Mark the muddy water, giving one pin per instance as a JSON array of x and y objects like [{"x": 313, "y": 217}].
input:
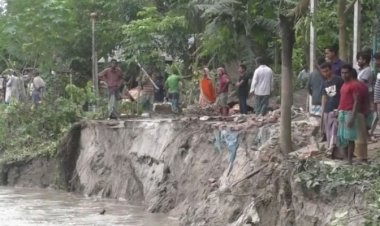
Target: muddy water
[{"x": 20, "y": 206}]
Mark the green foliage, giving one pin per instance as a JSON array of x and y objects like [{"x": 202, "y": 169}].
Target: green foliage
[
  {"x": 34, "y": 30},
  {"x": 175, "y": 68},
  {"x": 81, "y": 96},
  {"x": 27, "y": 131},
  {"x": 235, "y": 29},
  {"x": 373, "y": 218},
  {"x": 56, "y": 34},
  {"x": 131, "y": 108},
  {"x": 153, "y": 34},
  {"x": 30, "y": 132},
  {"x": 325, "y": 179}
]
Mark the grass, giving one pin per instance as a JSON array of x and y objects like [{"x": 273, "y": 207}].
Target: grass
[{"x": 326, "y": 180}]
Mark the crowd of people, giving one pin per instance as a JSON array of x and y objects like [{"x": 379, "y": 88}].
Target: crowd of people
[
  {"x": 259, "y": 85},
  {"x": 346, "y": 99},
  {"x": 343, "y": 97},
  {"x": 16, "y": 87},
  {"x": 156, "y": 89}
]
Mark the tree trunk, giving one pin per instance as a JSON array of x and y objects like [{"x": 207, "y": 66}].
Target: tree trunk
[
  {"x": 287, "y": 40},
  {"x": 342, "y": 23}
]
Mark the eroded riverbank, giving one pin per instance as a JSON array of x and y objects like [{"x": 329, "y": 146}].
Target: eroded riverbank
[{"x": 172, "y": 166}]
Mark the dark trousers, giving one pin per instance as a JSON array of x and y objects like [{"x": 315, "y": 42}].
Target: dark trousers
[
  {"x": 261, "y": 104},
  {"x": 174, "y": 100},
  {"x": 113, "y": 100},
  {"x": 243, "y": 104},
  {"x": 36, "y": 96}
]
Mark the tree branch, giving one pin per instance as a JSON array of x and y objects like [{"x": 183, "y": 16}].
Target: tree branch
[
  {"x": 300, "y": 10},
  {"x": 250, "y": 175},
  {"x": 350, "y": 7}
]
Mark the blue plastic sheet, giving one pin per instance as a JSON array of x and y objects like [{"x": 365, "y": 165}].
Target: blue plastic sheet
[{"x": 230, "y": 140}]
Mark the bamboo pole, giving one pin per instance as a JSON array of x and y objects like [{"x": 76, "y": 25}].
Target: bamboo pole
[
  {"x": 312, "y": 48},
  {"x": 94, "y": 57},
  {"x": 356, "y": 35}
]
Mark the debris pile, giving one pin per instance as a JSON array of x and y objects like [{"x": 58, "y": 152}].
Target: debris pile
[
  {"x": 162, "y": 108},
  {"x": 211, "y": 110},
  {"x": 239, "y": 122},
  {"x": 242, "y": 122}
]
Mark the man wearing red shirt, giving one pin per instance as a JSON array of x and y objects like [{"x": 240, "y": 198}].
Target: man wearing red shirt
[
  {"x": 364, "y": 118},
  {"x": 351, "y": 119},
  {"x": 113, "y": 77}
]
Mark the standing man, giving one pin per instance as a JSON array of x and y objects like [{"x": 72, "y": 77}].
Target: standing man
[
  {"x": 159, "y": 94},
  {"x": 303, "y": 76},
  {"x": 350, "y": 119},
  {"x": 172, "y": 88},
  {"x": 331, "y": 55},
  {"x": 38, "y": 88},
  {"x": 376, "y": 95},
  {"x": 314, "y": 87},
  {"x": 243, "y": 88},
  {"x": 365, "y": 72},
  {"x": 364, "y": 118},
  {"x": 147, "y": 94},
  {"x": 222, "y": 101},
  {"x": 11, "y": 88},
  {"x": 113, "y": 77},
  {"x": 330, "y": 102},
  {"x": 365, "y": 77},
  {"x": 261, "y": 87}
]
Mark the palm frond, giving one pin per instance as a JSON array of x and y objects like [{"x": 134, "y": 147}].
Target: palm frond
[{"x": 298, "y": 8}]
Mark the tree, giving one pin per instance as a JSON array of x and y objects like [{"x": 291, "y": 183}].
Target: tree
[
  {"x": 52, "y": 33},
  {"x": 234, "y": 29},
  {"x": 153, "y": 34},
  {"x": 342, "y": 21},
  {"x": 287, "y": 40},
  {"x": 288, "y": 18}
]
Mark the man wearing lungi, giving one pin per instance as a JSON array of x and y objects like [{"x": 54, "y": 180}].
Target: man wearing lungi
[{"x": 330, "y": 102}]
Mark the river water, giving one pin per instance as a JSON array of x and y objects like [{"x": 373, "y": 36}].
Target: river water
[{"x": 21, "y": 206}]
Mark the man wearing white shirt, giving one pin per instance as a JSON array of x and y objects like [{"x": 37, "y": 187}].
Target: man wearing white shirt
[
  {"x": 365, "y": 76},
  {"x": 376, "y": 93},
  {"x": 11, "y": 93},
  {"x": 261, "y": 87},
  {"x": 365, "y": 72}
]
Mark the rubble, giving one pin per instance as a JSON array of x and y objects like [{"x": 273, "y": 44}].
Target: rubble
[
  {"x": 211, "y": 180},
  {"x": 240, "y": 118},
  {"x": 307, "y": 152},
  {"x": 211, "y": 110},
  {"x": 245, "y": 122},
  {"x": 145, "y": 115},
  {"x": 235, "y": 109},
  {"x": 204, "y": 118},
  {"x": 162, "y": 108}
]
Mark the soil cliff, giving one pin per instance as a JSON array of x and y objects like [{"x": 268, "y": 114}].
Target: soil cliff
[{"x": 173, "y": 166}]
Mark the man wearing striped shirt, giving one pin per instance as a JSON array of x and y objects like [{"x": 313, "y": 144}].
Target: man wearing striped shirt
[{"x": 376, "y": 92}]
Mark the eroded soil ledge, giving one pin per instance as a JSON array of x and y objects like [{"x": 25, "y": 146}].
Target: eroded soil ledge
[{"x": 172, "y": 166}]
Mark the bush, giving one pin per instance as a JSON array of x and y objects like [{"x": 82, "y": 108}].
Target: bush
[{"x": 27, "y": 131}]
